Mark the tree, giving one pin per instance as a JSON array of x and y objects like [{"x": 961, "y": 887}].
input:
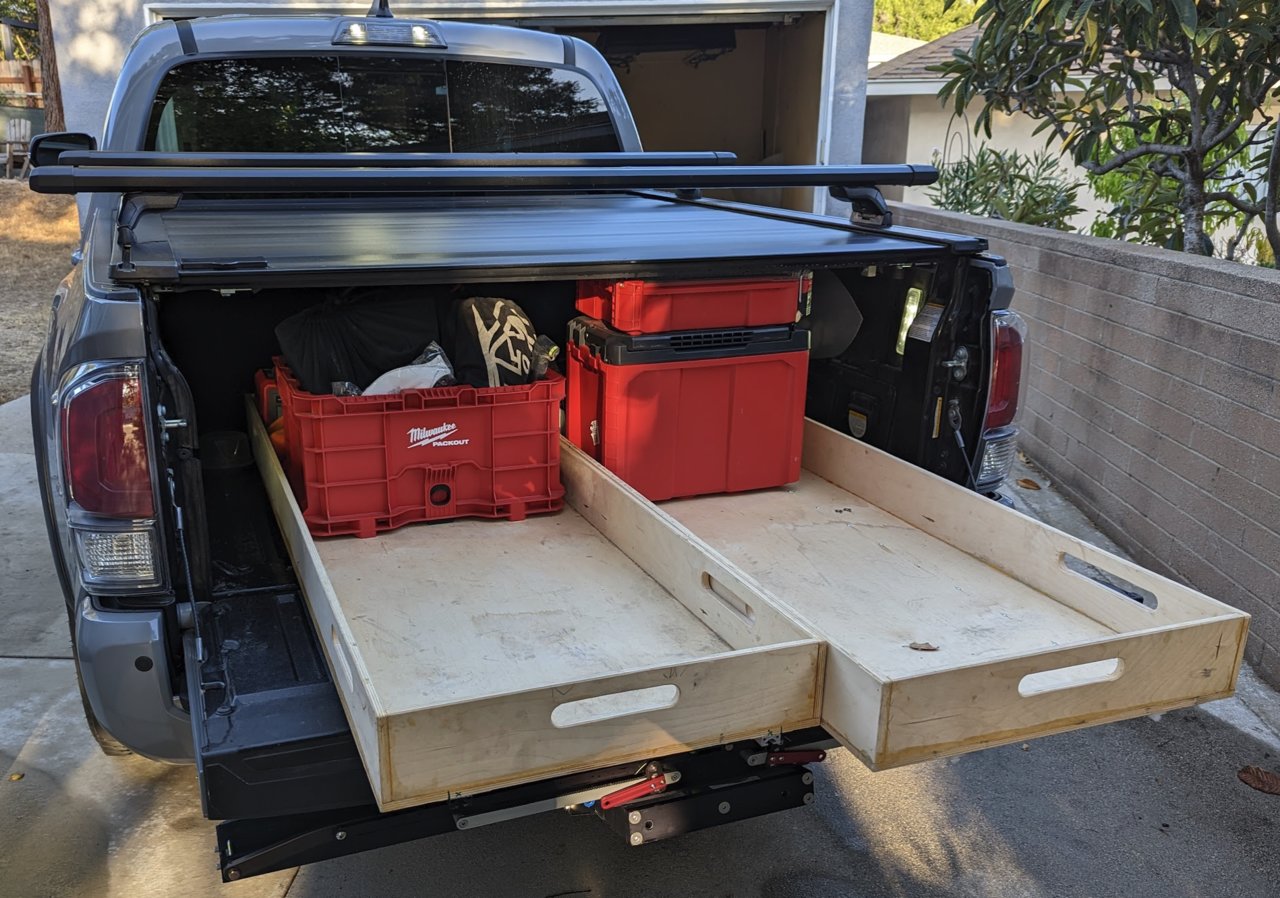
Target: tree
[
  {"x": 924, "y": 20},
  {"x": 1164, "y": 83},
  {"x": 1144, "y": 200},
  {"x": 54, "y": 120}
]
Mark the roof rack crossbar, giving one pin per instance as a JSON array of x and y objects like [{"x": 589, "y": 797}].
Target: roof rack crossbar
[
  {"x": 147, "y": 159},
  {"x": 70, "y": 179}
]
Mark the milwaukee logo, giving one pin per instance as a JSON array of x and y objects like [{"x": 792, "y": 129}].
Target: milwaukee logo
[{"x": 434, "y": 436}]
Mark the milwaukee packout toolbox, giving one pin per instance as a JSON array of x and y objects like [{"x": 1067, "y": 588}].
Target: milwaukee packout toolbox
[
  {"x": 689, "y": 413},
  {"x": 363, "y": 464},
  {"x": 651, "y": 307}
]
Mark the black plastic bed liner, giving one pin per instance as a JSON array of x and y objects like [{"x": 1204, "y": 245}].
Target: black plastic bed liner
[{"x": 271, "y": 735}]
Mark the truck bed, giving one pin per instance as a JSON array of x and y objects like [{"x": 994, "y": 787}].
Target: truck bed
[{"x": 912, "y": 618}]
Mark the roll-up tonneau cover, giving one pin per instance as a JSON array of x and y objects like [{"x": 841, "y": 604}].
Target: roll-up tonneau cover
[{"x": 255, "y": 219}]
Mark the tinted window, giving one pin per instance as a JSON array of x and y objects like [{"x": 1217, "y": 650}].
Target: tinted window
[{"x": 368, "y": 103}]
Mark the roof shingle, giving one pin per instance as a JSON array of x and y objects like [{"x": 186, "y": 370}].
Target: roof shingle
[{"x": 914, "y": 64}]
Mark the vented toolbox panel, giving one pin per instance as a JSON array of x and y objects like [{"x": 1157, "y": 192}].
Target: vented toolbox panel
[
  {"x": 364, "y": 464},
  {"x": 650, "y": 307}
]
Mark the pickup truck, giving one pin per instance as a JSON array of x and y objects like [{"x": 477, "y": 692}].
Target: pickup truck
[{"x": 250, "y": 167}]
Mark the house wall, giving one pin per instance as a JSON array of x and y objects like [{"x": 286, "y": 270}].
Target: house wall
[
  {"x": 885, "y": 131},
  {"x": 91, "y": 41},
  {"x": 935, "y": 129},
  {"x": 1153, "y": 403},
  {"x": 733, "y": 85}
]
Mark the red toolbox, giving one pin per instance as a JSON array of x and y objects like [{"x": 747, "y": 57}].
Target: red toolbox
[
  {"x": 690, "y": 413},
  {"x": 651, "y": 307},
  {"x": 362, "y": 464}
]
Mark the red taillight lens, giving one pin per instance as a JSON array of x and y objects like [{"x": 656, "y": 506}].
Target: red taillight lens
[
  {"x": 104, "y": 448},
  {"x": 1007, "y": 332}
]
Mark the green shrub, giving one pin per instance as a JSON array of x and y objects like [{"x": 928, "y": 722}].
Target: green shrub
[{"x": 1007, "y": 184}]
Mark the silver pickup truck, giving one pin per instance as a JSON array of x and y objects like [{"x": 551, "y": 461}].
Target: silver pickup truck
[{"x": 252, "y": 166}]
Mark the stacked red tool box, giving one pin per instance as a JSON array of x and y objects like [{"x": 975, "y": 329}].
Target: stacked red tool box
[{"x": 689, "y": 412}]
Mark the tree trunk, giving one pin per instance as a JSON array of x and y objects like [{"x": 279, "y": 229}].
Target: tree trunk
[
  {"x": 54, "y": 120},
  {"x": 1271, "y": 207},
  {"x": 1194, "y": 239}
]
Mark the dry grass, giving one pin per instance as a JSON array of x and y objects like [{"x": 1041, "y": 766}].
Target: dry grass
[{"x": 37, "y": 235}]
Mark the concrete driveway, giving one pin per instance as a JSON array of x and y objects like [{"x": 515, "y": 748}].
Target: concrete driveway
[{"x": 1142, "y": 808}]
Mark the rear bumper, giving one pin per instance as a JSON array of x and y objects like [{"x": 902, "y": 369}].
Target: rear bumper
[{"x": 125, "y": 671}]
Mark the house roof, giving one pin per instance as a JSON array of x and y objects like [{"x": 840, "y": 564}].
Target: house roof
[
  {"x": 886, "y": 47},
  {"x": 914, "y": 65}
]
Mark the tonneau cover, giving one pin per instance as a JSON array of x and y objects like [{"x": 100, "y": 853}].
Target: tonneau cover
[{"x": 420, "y": 240}]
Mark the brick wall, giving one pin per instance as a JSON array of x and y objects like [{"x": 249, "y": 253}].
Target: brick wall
[{"x": 1153, "y": 403}]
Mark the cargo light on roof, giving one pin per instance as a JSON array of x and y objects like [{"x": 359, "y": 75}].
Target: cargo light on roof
[{"x": 380, "y": 28}]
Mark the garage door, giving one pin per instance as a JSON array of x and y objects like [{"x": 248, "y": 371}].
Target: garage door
[{"x": 696, "y": 79}]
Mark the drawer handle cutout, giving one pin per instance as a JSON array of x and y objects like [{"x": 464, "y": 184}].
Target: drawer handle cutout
[
  {"x": 729, "y": 598},
  {"x": 340, "y": 660},
  {"x": 1114, "y": 582},
  {"x": 1086, "y": 674},
  {"x": 617, "y": 704}
]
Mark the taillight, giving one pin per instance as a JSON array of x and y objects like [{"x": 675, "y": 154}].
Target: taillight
[
  {"x": 1008, "y": 334},
  {"x": 104, "y": 446},
  {"x": 106, "y": 466}
]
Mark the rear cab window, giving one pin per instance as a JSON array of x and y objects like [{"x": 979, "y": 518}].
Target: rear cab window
[{"x": 377, "y": 103}]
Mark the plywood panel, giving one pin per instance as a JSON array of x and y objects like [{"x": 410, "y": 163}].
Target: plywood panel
[
  {"x": 963, "y": 710},
  {"x": 460, "y": 610},
  {"x": 937, "y": 605},
  {"x": 1010, "y": 542},
  {"x": 697, "y": 575},
  {"x": 452, "y": 645},
  {"x": 507, "y": 739},
  {"x": 875, "y": 583}
]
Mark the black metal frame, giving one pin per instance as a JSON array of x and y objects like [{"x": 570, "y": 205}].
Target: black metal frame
[
  {"x": 707, "y": 779},
  {"x": 110, "y": 159},
  {"x": 266, "y": 173}
]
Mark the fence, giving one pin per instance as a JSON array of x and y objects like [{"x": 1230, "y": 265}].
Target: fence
[
  {"x": 21, "y": 84},
  {"x": 1153, "y": 403}
]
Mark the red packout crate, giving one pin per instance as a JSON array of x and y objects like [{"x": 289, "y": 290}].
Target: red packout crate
[
  {"x": 362, "y": 464},
  {"x": 652, "y": 307},
  {"x": 689, "y": 413}
]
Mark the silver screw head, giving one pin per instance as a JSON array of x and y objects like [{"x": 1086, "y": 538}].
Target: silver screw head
[
  {"x": 724, "y": 807},
  {"x": 233, "y": 874},
  {"x": 340, "y": 835},
  {"x": 636, "y": 838},
  {"x": 808, "y": 798},
  {"x": 634, "y": 817},
  {"x": 807, "y": 779}
]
